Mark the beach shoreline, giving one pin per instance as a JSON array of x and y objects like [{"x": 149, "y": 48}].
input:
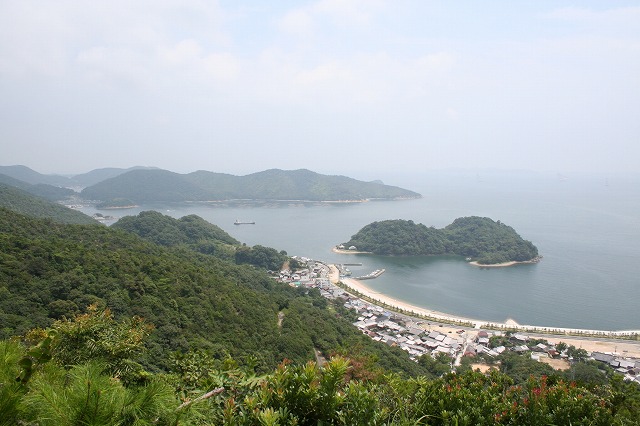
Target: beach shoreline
[
  {"x": 341, "y": 251},
  {"x": 473, "y": 263},
  {"x": 398, "y": 305},
  {"x": 506, "y": 264},
  {"x": 393, "y": 304}
]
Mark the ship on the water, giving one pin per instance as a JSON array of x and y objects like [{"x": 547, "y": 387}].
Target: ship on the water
[{"x": 239, "y": 222}]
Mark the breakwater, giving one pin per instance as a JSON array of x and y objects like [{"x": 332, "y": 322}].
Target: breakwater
[{"x": 372, "y": 275}]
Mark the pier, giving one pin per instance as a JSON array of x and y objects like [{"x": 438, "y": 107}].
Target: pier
[{"x": 374, "y": 274}]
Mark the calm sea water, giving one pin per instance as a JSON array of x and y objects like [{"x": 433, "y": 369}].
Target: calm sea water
[{"x": 587, "y": 229}]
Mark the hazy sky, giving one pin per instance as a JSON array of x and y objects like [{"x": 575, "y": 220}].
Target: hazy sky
[{"x": 335, "y": 86}]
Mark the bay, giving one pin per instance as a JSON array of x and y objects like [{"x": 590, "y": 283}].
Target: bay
[{"x": 586, "y": 228}]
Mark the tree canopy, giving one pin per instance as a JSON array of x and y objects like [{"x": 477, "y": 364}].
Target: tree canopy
[
  {"x": 163, "y": 186},
  {"x": 195, "y": 301},
  {"x": 65, "y": 379},
  {"x": 480, "y": 238}
]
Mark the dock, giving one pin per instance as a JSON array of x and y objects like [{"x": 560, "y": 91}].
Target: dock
[{"x": 372, "y": 275}]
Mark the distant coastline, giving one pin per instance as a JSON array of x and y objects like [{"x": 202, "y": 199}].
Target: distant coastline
[{"x": 132, "y": 206}]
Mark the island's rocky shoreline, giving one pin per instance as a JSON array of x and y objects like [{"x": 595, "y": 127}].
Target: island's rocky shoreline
[{"x": 535, "y": 260}]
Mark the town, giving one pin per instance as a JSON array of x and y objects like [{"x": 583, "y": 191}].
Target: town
[{"x": 419, "y": 337}]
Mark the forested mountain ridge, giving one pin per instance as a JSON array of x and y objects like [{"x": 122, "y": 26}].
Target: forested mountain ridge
[
  {"x": 480, "y": 238},
  {"x": 197, "y": 234},
  {"x": 149, "y": 184},
  {"x": 166, "y": 231},
  {"x": 19, "y": 201},
  {"x": 49, "y": 192},
  {"x": 98, "y": 175},
  {"x": 32, "y": 177},
  {"x": 25, "y": 174},
  {"x": 160, "y": 185},
  {"x": 194, "y": 301}
]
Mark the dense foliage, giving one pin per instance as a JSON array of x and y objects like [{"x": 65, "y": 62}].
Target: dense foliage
[
  {"x": 30, "y": 205},
  {"x": 115, "y": 203},
  {"x": 199, "y": 235},
  {"x": 263, "y": 257},
  {"x": 49, "y": 192},
  {"x": 479, "y": 238},
  {"x": 195, "y": 301},
  {"x": 191, "y": 231},
  {"x": 64, "y": 379},
  {"x": 143, "y": 186}
]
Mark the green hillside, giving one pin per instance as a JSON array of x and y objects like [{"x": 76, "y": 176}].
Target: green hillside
[
  {"x": 194, "y": 301},
  {"x": 32, "y": 177},
  {"x": 22, "y": 202},
  {"x": 191, "y": 231},
  {"x": 144, "y": 186},
  {"x": 49, "y": 192},
  {"x": 479, "y": 238},
  {"x": 98, "y": 175},
  {"x": 86, "y": 371},
  {"x": 162, "y": 186}
]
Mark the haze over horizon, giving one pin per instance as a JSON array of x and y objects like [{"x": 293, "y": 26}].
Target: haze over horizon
[{"x": 337, "y": 87}]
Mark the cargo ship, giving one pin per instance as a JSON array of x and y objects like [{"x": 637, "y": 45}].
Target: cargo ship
[{"x": 239, "y": 222}]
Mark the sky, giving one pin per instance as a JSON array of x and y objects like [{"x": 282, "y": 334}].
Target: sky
[{"x": 351, "y": 87}]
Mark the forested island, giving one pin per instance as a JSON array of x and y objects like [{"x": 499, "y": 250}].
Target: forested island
[
  {"x": 120, "y": 188},
  {"x": 481, "y": 239},
  {"x": 143, "y": 186},
  {"x": 116, "y": 203}
]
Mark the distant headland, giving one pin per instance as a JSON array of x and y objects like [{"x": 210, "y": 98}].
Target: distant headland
[{"x": 480, "y": 240}]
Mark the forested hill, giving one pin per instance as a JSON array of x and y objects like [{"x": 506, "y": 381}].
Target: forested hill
[
  {"x": 164, "y": 230},
  {"x": 49, "y": 192},
  {"x": 28, "y": 204},
  {"x": 143, "y": 186},
  {"x": 480, "y": 238},
  {"x": 196, "y": 234},
  {"x": 26, "y": 175},
  {"x": 194, "y": 301}
]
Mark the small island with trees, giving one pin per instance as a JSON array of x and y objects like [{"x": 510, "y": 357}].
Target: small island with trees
[{"x": 481, "y": 240}]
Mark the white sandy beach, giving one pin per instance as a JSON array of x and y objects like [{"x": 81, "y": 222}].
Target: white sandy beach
[
  {"x": 504, "y": 264},
  {"x": 495, "y": 265},
  {"x": 621, "y": 347},
  {"x": 340, "y": 251},
  {"x": 390, "y": 301}
]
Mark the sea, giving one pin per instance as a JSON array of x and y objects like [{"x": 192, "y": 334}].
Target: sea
[{"x": 586, "y": 227}]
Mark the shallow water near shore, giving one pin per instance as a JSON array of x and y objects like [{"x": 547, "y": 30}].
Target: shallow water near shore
[{"x": 587, "y": 230}]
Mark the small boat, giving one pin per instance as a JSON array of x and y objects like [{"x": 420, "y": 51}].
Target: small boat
[{"x": 238, "y": 222}]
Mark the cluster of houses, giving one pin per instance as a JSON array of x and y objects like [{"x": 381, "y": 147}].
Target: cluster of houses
[
  {"x": 398, "y": 330},
  {"x": 418, "y": 338},
  {"x": 517, "y": 342},
  {"x": 307, "y": 276},
  {"x": 629, "y": 367}
]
